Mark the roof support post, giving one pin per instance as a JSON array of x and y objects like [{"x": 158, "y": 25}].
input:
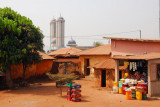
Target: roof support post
[
  {"x": 149, "y": 79},
  {"x": 116, "y": 70}
]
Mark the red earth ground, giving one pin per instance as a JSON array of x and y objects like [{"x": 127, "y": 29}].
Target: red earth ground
[{"x": 46, "y": 94}]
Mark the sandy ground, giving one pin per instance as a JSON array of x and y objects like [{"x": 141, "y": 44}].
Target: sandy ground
[{"x": 47, "y": 95}]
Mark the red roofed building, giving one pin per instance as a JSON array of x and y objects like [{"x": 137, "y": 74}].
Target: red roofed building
[{"x": 93, "y": 56}]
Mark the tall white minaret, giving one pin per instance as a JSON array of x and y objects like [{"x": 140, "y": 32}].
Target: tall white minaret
[
  {"x": 53, "y": 33},
  {"x": 60, "y": 32}
]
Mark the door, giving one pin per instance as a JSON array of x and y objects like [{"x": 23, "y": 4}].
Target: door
[
  {"x": 86, "y": 67},
  {"x": 103, "y": 78}
]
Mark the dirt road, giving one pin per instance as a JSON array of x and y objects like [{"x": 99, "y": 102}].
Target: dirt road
[{"x": 47, "y": 95}]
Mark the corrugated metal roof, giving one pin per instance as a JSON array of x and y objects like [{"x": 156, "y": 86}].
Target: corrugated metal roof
[
  {"x": 64, "y": 51},
  {"x": 107, "y": 64},
  {"x": 148, "y": 56},
  {"x": 99, "y": 50},
  {"x": 133, "y": 39},
  {"x": 45, "y": 56}
]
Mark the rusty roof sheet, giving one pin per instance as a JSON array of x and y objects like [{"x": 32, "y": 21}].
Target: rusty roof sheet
[
  {"x": 147, "y": 56},
  {"x": 45, "y": 56},
  {"x": 65, "y": 51},
  {"x": 133, "y": 39},
  {"x": 98, "y": 50},
  {"x": 107, "y": 64}
]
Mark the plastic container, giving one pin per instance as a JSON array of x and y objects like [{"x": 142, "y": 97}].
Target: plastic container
[
  {"x": 133, "y": 94},
  {"x": 120, "y": 83},
  {"x": 115, "y": 89},
  {"x": 124, "y": 87},
  {"x": 69, "y": 98},
  {"x": 76, "y": 95},
  {"x": 115, "y": 83},
  {"x": 144, "y": 96},
  {"x": 69, "y": 84},
  {"x": 76, "y": 99},
  {"x": 138, "y": 95},
  {"x": 120, "y": 90},
  {"x": 128, "y": 95},
  {"x": 76, "y": 86},
  {"x": 75, "y": 91}
]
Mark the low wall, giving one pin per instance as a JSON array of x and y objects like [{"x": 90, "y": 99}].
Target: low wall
[{"x": 34, "y": 70}]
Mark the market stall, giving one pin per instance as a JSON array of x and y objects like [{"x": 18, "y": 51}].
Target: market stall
[
  {"x": 134, "y": 81},
  {"x": 144, "y": 69}
]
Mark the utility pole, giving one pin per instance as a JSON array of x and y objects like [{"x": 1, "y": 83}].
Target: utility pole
[{"x": 159, "y": 18}]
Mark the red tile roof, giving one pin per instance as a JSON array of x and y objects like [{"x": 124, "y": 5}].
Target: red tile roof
[
  {"x": 107, "y": 64},
  {"x": 65, "y": 51},
  {"x": 99, "y": 50},
  {"x": 45, "y": 56}
]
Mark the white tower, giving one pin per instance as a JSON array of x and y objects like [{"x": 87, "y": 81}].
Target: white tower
[
  {"x": 60, "y": 32},
  {"x": 53, "y": 32}
]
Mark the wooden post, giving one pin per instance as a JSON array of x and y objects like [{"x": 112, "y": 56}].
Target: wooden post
[
  {"x": 116, "y": 70},
  {"x": 149, "y": 79}
]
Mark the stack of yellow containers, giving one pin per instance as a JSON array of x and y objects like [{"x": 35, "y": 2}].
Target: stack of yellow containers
[{"x": 115, "y": 87}]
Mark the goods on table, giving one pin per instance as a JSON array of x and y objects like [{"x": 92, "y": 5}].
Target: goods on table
[{"x": 133, "y": 89}]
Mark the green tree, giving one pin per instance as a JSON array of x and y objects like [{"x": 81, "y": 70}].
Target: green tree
[
  {"x": 9, "y": 43},
  {"x": 97, "y": 43},
  {"x": 29, "y": 40},
  {"x": 61, "y": 79}
]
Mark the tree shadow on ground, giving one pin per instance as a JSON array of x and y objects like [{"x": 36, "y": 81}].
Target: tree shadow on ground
[{"x": 38, "y": 89}]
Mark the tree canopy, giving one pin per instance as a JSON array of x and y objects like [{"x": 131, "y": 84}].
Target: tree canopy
[
  {"x": 19, "y": 40},
  {"x": 97, "y": 43}
]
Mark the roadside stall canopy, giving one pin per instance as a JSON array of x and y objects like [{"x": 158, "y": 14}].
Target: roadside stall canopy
[
  {"x": 146, "y": 56},
  {"x": 107, "y": 64}
]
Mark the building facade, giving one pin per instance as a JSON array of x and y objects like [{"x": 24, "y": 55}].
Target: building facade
[{"x": 57, "y": 33}]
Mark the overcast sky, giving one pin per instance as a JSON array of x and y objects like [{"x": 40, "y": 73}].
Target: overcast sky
[{"x": 88, "y": 18}]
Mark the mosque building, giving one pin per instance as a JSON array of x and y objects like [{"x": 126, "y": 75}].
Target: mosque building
[
  {"x": 57, "y": 33},
  {"x": 57, "y": 28}
]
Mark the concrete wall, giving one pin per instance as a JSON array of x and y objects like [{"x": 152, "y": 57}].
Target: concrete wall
[
  {"x": 110, "y": 77},
  {"x": 70, "y": 66},
  {"x": 153, "y": 86},
  {"x": 94, "y": 59},
  {"x": 36, "y": 69},
  {"x": 134, "y": 46}
]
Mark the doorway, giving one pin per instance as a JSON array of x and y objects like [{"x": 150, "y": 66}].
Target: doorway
[
  {"x": 120, "y": 74},
  {"x": 86, "y": 67},
  {"x": 103, "y": 78}
]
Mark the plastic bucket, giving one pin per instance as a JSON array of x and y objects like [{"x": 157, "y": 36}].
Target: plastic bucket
[
  {"x": 144, "y": 96},
  {"x": 138, "y": 95},
  {"x": 115, "y": 89},
  {"x": 128, "y": 95},
  {"x": 133, "y": 94},
  {"x": 120, "y": 90},
  {"x": 124, "y": 87}
]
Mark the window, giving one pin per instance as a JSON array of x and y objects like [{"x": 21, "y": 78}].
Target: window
[{"x": 158, "y": 72}]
